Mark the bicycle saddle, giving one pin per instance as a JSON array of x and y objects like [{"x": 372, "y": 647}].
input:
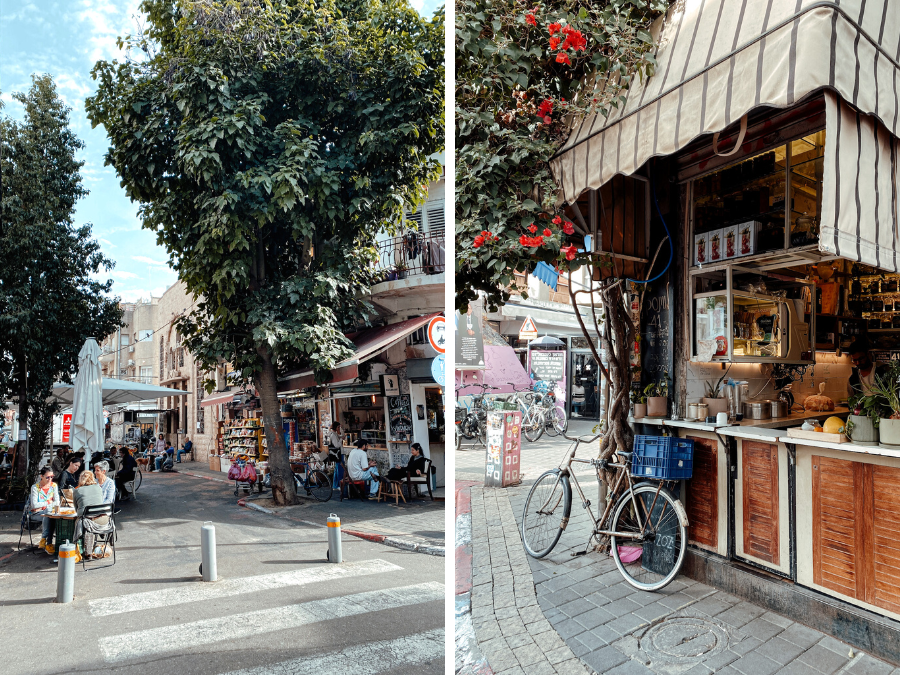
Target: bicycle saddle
[{"x": 626, "y": 455}]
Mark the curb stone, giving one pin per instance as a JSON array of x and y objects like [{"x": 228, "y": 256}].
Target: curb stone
[{"x": 469, "y": 659}]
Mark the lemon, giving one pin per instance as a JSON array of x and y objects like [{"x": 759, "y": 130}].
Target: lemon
[{"x": 833, "y": 425}]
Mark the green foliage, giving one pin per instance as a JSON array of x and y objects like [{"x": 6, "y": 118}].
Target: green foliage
[
  {"x": 266, "y": 145},
  {"x": 660, "y": 387},
  {"x": 51, "y": 300},
  {"x": 884, "y": 397},
  {"x": 516, "y": 101}
]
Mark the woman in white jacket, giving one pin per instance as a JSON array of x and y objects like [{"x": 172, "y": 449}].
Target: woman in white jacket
[{"x": 45, "y": 498}]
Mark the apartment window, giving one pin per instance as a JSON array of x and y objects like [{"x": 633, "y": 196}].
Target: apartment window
[
  {"x": 434, "y": 212},
  {"x": 123, "y": 340},
  {"x": 147, "y": 374}
]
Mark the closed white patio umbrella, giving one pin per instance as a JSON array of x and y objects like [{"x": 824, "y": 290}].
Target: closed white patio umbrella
[{"x": 87, "y": 403}]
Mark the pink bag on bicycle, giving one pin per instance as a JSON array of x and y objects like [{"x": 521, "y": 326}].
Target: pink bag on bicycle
[
  {"x": 248, "y": 475},
  {"x": 234, "y": 473}
]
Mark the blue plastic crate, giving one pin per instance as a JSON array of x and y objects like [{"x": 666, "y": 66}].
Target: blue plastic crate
[{"x": 662, "y": 458}]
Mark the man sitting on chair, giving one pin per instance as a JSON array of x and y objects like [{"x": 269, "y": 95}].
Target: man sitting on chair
[
  {"x": 360, "y": 467},
  {"x": 185, "y": 450}
]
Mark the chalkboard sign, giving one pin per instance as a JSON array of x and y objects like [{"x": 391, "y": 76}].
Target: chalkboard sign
[
  {"x": 400, "y": 416},
  {"x": 547, "y": 365},
  {"x": 659, "y": 554},
  {"x": 657, "y": 345}
]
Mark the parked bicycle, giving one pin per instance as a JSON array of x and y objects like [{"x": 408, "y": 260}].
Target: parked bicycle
[
  {"x": 646, "y": 524},
  {"x": 539, "y": 411},
  {"x": 315, "y": 481},
  {"x": 474, "y": 422}
]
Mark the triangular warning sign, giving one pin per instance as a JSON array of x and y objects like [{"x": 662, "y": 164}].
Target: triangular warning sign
[{"x": 528, "y": 326}]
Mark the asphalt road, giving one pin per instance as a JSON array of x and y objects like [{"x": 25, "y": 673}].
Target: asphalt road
[{"x": 278, "y": 606}]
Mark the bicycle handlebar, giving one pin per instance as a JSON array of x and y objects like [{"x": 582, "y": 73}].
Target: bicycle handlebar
[{"x": 581, "y": 439}]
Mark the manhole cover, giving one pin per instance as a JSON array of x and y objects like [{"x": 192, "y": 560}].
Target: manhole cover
[{"x": 684, "y": 638}]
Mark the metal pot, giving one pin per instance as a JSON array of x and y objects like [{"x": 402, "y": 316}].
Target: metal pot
[
  {"x": 778, "y": 408},
  {"x": 757, "y": 410}
]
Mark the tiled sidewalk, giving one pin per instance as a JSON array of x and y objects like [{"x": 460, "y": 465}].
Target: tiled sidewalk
[{"x": 598, "y": 623}]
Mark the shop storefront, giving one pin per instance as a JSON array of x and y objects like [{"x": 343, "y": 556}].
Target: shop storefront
[{"x": 785, "y": 233}]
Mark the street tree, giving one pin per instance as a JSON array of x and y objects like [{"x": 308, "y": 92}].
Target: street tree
[
  {"x": 51, "y": 295},
  {"x": 525, "y": 76},
  {"x": 267, "y": 143}
]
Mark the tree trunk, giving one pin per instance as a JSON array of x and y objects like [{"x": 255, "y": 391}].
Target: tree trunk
[
  {"x": 283, "y": 489},
  {"x": 22, "y": 451}
]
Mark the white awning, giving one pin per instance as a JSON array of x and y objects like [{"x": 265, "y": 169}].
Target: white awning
[
  {"x": 118, "y": 391},
  {"x": 720, "y": 59}
]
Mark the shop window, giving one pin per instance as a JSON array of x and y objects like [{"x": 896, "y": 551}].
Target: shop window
[{"x": 758, "y": 205}]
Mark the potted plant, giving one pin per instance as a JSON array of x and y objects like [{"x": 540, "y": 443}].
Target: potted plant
[
  {"x": 862, "y": 422},
  {"x": 886, "y": 392},
  {"x": 715, "y": 397},
  {"x": 401, "y": 269},
  {"x": 640, "y": 403},
  {"x": 657, "y": 394}
]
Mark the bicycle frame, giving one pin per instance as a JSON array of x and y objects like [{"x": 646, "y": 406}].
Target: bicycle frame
[{"x": 623, "y": 473}]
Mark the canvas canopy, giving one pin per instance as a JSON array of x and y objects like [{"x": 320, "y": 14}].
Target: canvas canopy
[
  {"x": 118, "y": 392},
  {"x": 720, "y": 59}
]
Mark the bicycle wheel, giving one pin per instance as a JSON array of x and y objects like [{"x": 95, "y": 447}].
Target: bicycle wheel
[
  {"x": 533, "y": 425},
  {"x": 546, "y": 513},
  {"x": 556, "y": 421},
  {"x": 652, "y": 561},
  {"x": 319, "y": 486},
  {"x": 458, "y": 436},
  {"x": 481, "y": 432},
  {"x": 138, "y": 476}
]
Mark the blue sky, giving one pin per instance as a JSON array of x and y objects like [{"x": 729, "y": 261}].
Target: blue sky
[{"x": 65, "y": 38}]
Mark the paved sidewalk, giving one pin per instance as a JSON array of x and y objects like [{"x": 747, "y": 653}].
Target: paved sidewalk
[
  {"x": 418, "y": 524},
  {"x": 587, "y": 619}
]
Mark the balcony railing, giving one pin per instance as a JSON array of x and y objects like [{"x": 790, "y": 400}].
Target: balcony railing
[{"x": 412, "y": 254}]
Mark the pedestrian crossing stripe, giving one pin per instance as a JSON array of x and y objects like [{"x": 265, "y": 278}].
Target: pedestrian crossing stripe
[
  {"x": 200, "y": 591},
  {"x": 234, "y": 627},
  {"x": 371, "y": 657}
]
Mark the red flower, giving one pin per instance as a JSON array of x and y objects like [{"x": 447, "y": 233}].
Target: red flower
[
  {"x": 548, "y": 120},
  {"x": 532, "y": 228},
  {"x": 568, "y": 228},
  {"x": 569, "y": 251},
  {"x": 562, "y": 57},
  {"x": 554, "y": 42},
  {"x": 479, "y": 242},
  {"x": 554, "y": 28},
  {"x": 546, "y": 107},
  {"x": 547, "y": 233},
  {"x": 574, "y": 40},
  {"x": 567, "y": 29},
  {"x": 524, "y": 239},
  {"x": 557, "y": 220},
  {"x": 529, "y": 18}
]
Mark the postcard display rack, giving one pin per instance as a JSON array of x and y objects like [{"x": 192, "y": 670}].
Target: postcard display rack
[{"x": 245, "y": 437}]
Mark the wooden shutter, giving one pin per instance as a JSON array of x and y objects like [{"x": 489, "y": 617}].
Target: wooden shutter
[
  {"x": 703, "y": 493},
  {"x": 760, "y": 496},
  {"x": 886, "y": 536}
]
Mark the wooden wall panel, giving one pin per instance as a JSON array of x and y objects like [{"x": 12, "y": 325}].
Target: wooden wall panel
[
  {"x": 759, "y": 489},
  {"x": 836, "y": 523},
  {"x": 886, "y": 537},
  {"x": 703, "y": 494}
]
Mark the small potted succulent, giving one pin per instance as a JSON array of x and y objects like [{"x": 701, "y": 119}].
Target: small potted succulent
[
  {"x": 639, "y": 400},
  {"x": 863, "y": 420},
  {"x": 715, "y": 397},
  {"x": 657, "y": 394}
]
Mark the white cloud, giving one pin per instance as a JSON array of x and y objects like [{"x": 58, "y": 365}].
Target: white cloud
[
  {"x": 121, "y": 274},
  {"x": 107, "y": 243},
  {"x": 149, "y": 261},
  {"x": 107, "y": 20}
]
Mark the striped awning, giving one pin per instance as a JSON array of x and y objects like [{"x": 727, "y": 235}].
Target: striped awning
[{"x": 720, "y": 59}]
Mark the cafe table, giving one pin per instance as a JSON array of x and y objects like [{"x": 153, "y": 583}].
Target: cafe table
[{"x": 65, "y": 527}]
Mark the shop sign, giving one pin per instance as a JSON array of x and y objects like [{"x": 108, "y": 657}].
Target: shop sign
[
  {"x": 23, "y": 434},
  {"x": 469, "y": 339},
  {"x": 548, "y": 366},
  {"x": 67, "y": 428},
  {"x": 436, "y": 337},
  {"x": 390, "y": 385},
  {"x": 528, "y": 331},
  {"x": 438, "y": 366}
]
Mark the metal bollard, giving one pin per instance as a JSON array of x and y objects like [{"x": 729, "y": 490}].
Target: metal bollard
[
  {"x": 65, "y": 574},
  {"x": 208, "y": 551},
  {"x": 334, "y": 539}
]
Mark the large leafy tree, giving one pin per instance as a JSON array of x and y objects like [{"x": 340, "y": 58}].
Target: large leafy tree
[
  {"x": 267, "y": 143},
  {"x": 50, "y": 297}
]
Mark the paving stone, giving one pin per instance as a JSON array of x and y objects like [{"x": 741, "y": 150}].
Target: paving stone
[
  {"x": 777, "y": 619},
  {"x": 501, "y": 659},
  {"x": 558, "y": 655},
  {"x": 528, "y": 654},
  {"x": 493, "y": 645},
  {"x": 721, "y": 660},
  {"x": 868, "y": 665},
  {"x": 676, "y": 600},
  {"x": 652, "y": 612},
  {"x": 761, "y": 629},
  {"x": 488, "y": 631},
  {"x": 540, "y": 668},
  {"x": 699, "y": 669},
  {"x": 755, "y": 663},
  {"x": 598, "y": 599},
  {"x": 515, "y": 670},
  {"x": 605, "y": 659},
  {"x": 801, "y": 635},
  {"x": 738, "y": 615},
  {"x": 571, "y": 667},
  {"x": 621, "y": 606},
  {"x": 593, "y": 618},
  {"x": 643, "y": 598},
  {"x": 512, "y": 627},
  {"x": 630, "y": 667},
  {"x": 603, "y": 635},
  {"x": 530, "y": 614},
  {"x": 569, "y": 628},
  {"x": 579, "y": 648},
  {"x": 836, "y": 646},
  {"x": 823, "y": 659},
  {"x": 562, "y": 597},
  {"x": 626, "y": 623},
  {"x": 779, "y": 650},
  {"x": 520, "y": 640},
  {"x": 576, "y": 607},
  {"x": 798, "y": 668},
  {"x": 548, "y": 640},
  {"x": 620, "y": 590},
  {"x": 503, "y": 613},
  {"x": 539, "y": 626},
  {"x": 746, "y": 645}
]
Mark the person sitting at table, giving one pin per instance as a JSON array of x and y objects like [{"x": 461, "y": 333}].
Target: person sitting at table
[
  {"x": 125, "y": 474},
  {"x": 45, "y": 498},
  {"x": 187, "y": 448},
  {"x": 107, "y": 486},
  {"x": 415, "y": 466},
  {"x": 165, "y": 457},
  {"x": 360, "y": 467},
  {"x": 87, "y": 493},
  {"x": 59, "y": 462},
  {"x": 69, "y": 478}
]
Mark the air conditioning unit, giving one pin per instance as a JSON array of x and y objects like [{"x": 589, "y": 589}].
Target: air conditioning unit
[
  {"x": 130, "y": 362},
  {"x": 131, "y": 349}
]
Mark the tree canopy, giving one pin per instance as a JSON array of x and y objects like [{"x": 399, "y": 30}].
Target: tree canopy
[
  {"x": 267, "y": 144},
  {"x": 525, "y": 74},
  {"x": 51, "y": 295}
]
